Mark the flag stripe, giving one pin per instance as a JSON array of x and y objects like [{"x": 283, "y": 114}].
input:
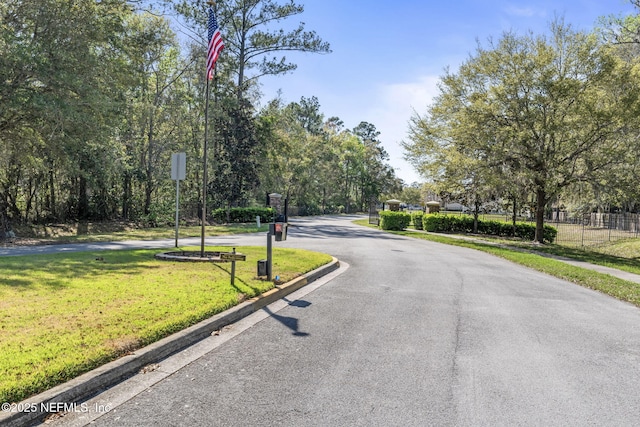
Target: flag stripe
[{"x": 215, "y": 44}]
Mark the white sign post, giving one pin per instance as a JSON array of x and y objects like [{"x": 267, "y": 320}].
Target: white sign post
[{"x": 178, "y": 173}]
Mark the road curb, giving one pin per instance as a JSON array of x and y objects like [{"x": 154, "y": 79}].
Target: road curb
[{"x": 33, "y": 409}]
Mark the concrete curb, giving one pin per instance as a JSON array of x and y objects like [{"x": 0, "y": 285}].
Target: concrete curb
[{"x": 34, "y": 409}]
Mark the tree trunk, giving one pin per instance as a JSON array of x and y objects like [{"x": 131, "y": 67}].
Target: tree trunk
[
  {"x": 324, "y": 200},
  {"x": 476, "y": 213},
  {"x": 515, "y": 215},
  {"x": 346, "y": 187},
  {"x": 148, "y": 185},
  {"x": 4, "y": 219},
  {"x": 241, "y": 56},
  {"x": 83, "y": 199},
  {"x": 541, "y": 203},
  {"x": 126, "y": 196},
  {"x": 147, "y": 198},
  {"x": 52, "y": 194}
]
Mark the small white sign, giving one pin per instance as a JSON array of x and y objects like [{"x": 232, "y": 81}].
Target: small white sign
[{"x": 179, "y": 166}]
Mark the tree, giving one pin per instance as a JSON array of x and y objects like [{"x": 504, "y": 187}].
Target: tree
[
  {"x": 623, "y": 31},
  {"x": 251, "y": 43},
  {"x": 61, "y": 95},
  {"x": 411, "y": 195},
  {"x": 377, "y": 175},
  {"x": 236, "y": 161},
  {"x": 155, "y": 103},
  {"x": 448, "y": 156},
  {"x": 550, "y": 109},
  {"x": 300, "y": 160}
]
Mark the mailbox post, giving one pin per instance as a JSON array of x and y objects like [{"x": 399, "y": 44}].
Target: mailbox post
[{"x": 277, "y": 229}]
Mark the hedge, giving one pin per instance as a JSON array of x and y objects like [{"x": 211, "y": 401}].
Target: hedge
[
  {"x": 243, "y": 215},
  {"x": 438, "y": 223},
  {"x": 416, "y": 218},
  {"x": 398, "y": 221}
]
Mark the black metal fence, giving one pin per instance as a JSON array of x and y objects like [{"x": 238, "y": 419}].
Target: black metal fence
[
  {"x": 583, "y": 230},
  {"x": 374, "y": 215},
  {"x": 595, "y": 228}
]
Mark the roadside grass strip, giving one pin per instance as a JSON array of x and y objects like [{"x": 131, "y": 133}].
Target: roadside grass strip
[{"x": 62, "y": 315}]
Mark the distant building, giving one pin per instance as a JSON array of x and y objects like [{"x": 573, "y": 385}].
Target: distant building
[{"x": 455, "y": 207}]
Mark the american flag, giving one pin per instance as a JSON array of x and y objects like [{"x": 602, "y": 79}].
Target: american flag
[{"x": 215, "y": 44}]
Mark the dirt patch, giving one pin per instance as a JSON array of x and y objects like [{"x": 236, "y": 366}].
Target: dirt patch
[{"x": 124, "y": 345}]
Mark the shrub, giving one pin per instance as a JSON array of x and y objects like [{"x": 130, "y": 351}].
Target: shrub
[
  {"x": 492, "y": 228},
  {"x": 550, "y": 233},
  {"x": 243, "y": 215},
  {"x": 160, "y": 214},
  {"x": 433, "y": 223},
  {"x": 309, "y": 210},
  {"x": 397, "y": 221},
  {"x": 437, "y": 223},
  {"x": 416, "y": 218}
]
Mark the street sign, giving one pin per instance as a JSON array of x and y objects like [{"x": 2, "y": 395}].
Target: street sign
[
  {"x": 178, "y": 166},
  {"x": 228, "y": 256}
]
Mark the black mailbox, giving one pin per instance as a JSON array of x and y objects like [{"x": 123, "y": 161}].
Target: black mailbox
[{"x": 280, "y": 231}]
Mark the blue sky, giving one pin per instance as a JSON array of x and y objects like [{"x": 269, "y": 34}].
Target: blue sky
[{"x": 388, "y": 55}]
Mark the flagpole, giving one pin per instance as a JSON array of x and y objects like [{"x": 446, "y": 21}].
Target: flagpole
[
  {"x": 204, "y": 157},
  {"x": 215, "y": 46},
  {"x": 204, "y": 166}
]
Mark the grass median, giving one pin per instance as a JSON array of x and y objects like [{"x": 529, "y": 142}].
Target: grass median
[{"x": 65, "y": 314}]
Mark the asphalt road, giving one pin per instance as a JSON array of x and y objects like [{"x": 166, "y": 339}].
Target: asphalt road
[{"x": 413, "y": 333}]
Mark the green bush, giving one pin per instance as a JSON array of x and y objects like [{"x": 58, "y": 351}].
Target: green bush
[
  {"x": 397, "y": 221},
  {"x": 492, "y": 228},
  {"x": 416, "y": 218},
  {"x": 243, "y": 215},
  {"x": 433, "y": 223},
  {"x": 437, "y": 223},
  {"x": 550, "y": 233}
]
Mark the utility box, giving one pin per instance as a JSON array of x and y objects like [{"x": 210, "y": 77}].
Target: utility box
[{"x": 262, "y": 267}]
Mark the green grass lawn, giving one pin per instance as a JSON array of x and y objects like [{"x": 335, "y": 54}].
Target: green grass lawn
[{"x": 65, "y": 314}]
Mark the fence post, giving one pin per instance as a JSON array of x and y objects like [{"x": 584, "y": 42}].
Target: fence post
[{"x": 609, "y": 222}]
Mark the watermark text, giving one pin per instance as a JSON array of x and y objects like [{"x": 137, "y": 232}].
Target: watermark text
[{"x": 54, "y": 407}]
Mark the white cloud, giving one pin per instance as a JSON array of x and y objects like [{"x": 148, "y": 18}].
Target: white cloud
[
  {"x": 393, "y": 107},
  {"x": 524, "y": 11}
]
